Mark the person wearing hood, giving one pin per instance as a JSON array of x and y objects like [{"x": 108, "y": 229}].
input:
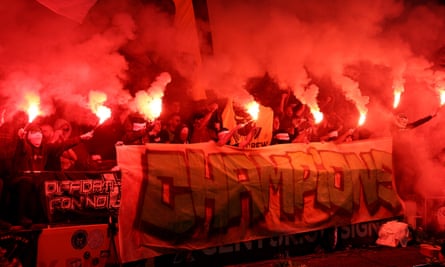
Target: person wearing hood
[
  {"x": 403, "y": 152},
  {"x": 136, "y": 129},
  {"x": 30, "y": 160}
]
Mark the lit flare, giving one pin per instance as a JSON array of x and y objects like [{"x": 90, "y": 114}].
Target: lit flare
[
  {"x": 253, "y": 108},
  {"x": 103, "y": 113},
  {"x": 155, "y": 108},
  {"x": 32, "y": 106},
  {"x": 33, "y": 112},
  {"x": 442, "y": 96},
  {"x": 96, "y": 104},
  {"x": 318, "y": 115},
  {"x": 397, "y": 95},
  {"x": 362, "y": 118},
  {"x": 149, "y": 105}
]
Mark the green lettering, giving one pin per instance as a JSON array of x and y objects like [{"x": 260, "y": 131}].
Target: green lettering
[
  {"x": 385, "y": 182},
  {"x": 339, "y": 179},
  {"x": 168, "y": 166},
  {"x": 305, "y": 173}
]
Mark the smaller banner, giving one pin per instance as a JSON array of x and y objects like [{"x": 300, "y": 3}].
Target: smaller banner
[
  {"x": 88, "y": 199},
  {"x": 263, "y": 132},
  {"x": 82, "y": 245}
]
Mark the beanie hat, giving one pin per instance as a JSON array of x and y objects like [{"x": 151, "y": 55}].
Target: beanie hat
[
  {"x": 61, "y": 124},
  {"x": 33, "y": 127}
]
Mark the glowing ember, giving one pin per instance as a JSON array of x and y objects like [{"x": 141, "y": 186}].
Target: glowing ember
[
  {"x": 362, "y": 119},
  {"x": 253, "y": 108}
]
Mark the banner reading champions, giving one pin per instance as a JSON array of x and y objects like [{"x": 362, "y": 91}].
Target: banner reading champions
[{"x": 199, "y": 196}]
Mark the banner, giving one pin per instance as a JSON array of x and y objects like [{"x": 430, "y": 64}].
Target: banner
[
  {"x": 199, "y": 196},
  {"x": 282, "y": 247},
  {"x": 82, "y": 197},
  {"x": 80, "y": 245}
]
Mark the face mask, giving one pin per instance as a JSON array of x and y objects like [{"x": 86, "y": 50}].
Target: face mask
[
  {"x": 35, "y": 138},
  {"x": 222, "y": 134},
  {"x": 138, "y": 126}
]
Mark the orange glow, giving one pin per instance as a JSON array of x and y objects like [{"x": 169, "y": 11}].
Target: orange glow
[
  {"x": 253, "y": 108},
  {"x": 362, "y": 118},
  {"x": 32, "y": 106}
]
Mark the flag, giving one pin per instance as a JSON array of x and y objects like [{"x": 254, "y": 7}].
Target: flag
[
  {"x": 264, "y": 124},
  {"x": 228, "y": 115},
  {"x": 73, "y": 9},
  {"x": 189, "y": 55}
]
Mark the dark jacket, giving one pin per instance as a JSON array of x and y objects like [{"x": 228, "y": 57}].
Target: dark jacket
[{"x": 28, "y": 158}]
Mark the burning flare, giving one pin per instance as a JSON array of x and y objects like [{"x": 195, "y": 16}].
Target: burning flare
[
  {"x": 32, "y": 106},
  {"x": 362, "y": 118},
  {"x": 155, "y": 106},
  {"x": 253, "y": 108},
  {"x": 442, "y": 96},
  {"x": 398, "y": 90},
  {"x": 318, "y": 115},
  {"x": 33, "y": 111},
  {"x": 103, "y": 113},
  {"x": 309, "y": 98},
  {"x": 96, "y": 103},
  {"x": 149, "y": 102},
  {"x": 149, "y": 105}
]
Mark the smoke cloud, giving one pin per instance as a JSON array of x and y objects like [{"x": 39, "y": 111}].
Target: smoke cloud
[{"x": 358, "y": 50}]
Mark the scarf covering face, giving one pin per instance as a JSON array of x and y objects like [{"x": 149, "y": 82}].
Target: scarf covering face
[
  {"x": 138, "y": 126},
  {"x": 35, "y": 138},
  {"x": 221, "y": 134}
]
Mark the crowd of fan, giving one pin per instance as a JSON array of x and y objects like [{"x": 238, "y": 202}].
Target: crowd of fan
[{"x": 55, "y": 144}]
